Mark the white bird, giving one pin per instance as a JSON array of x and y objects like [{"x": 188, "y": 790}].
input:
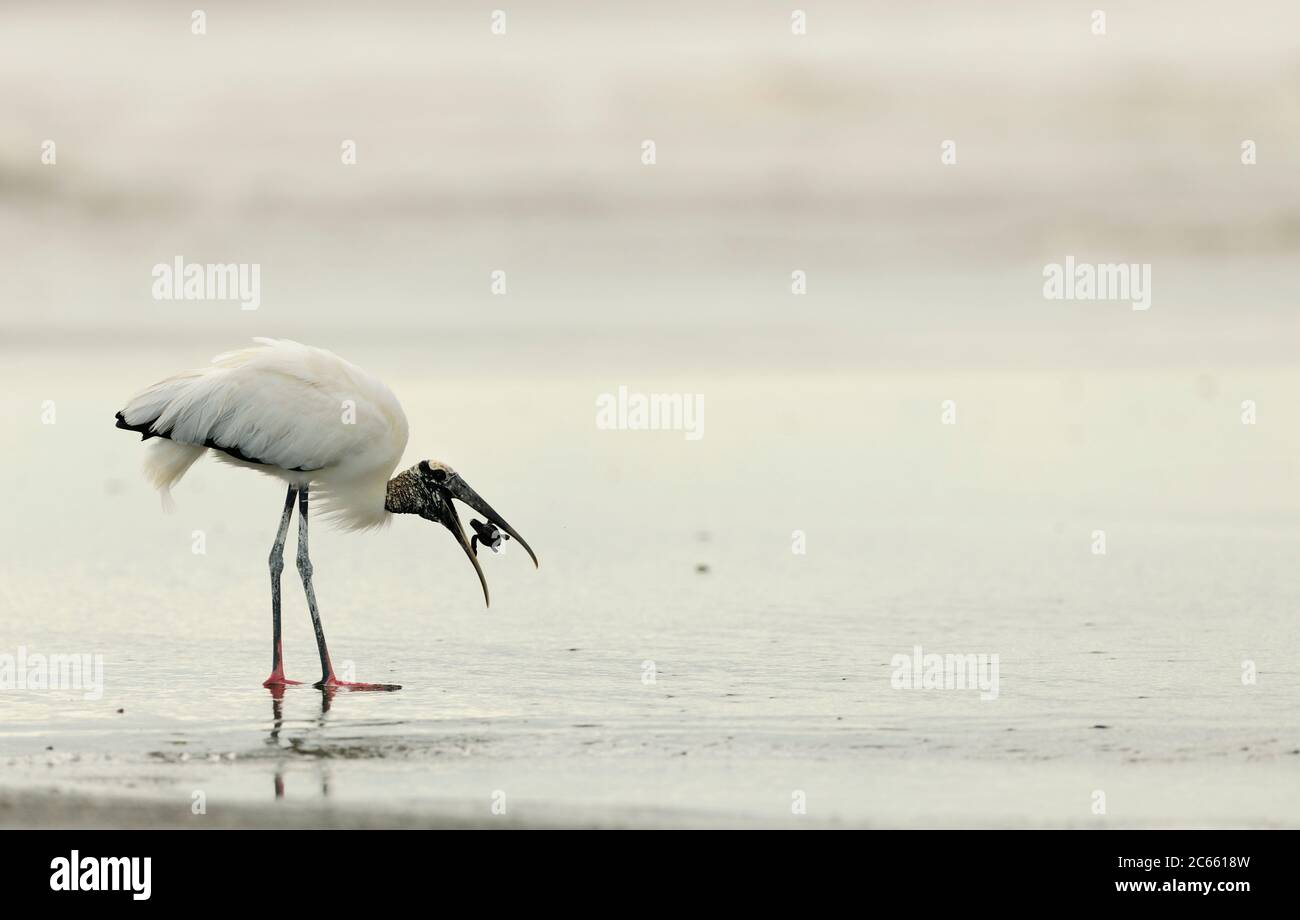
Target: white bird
[{"x": 320, "y": 424}]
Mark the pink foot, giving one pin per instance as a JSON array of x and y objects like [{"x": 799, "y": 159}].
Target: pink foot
[
  {"x": 333, "y": 683},
  {"x": 277, "y": 679}
]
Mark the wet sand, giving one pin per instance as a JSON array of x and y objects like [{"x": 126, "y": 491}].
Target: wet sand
[
  {"x": 676, "y": 660},
  {"x": 1120, "y": 673}
]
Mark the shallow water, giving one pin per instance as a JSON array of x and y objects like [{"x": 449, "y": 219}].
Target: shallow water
[
  {"x": 1119, "y": 673},
  {"x": 772, "y": 669}
]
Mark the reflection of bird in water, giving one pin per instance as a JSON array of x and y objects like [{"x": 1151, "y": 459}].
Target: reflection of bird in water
[
  {"x": 314, "y": 421},
  {"x": 277, "y": 723},
  {"x": 280, "y": 782},
  {"x": 277, "y": 714}
]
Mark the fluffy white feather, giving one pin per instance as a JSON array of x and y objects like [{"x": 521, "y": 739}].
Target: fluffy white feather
[{"x": 287, "y": 405}]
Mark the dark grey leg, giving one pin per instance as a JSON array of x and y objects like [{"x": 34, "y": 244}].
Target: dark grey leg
[
  {"x": 305, "y": 570},
  {"x": 277, "y": 566},
  {"x": 327, "y": 681}
]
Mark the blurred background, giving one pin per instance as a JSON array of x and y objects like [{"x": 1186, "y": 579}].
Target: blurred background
[{"x": 775, "y": 152}]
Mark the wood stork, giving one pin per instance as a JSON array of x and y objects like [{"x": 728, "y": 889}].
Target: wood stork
[{"x": 320, "y": 424}]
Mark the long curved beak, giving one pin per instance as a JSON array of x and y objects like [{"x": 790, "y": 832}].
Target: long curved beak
[
  {"x": 460, "y": 489},
  {"x": 452, "y": 523}
]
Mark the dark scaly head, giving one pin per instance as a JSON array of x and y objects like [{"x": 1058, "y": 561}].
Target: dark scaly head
[{"x": 427, "y": 489}]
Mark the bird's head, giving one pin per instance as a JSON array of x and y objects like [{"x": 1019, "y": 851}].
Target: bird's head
[{"x": 427, "y": 489}]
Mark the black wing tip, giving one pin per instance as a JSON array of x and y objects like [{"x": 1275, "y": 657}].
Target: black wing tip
[{"x": 145, "y": 432}]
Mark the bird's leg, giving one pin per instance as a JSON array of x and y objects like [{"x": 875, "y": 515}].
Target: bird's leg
[
  {"x": 277, "y": 678},
  {"x": 305, "y": 570},
  {"x": 328, "y": 681}
]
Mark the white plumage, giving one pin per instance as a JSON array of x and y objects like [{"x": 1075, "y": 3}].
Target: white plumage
[
  {"x": 329, "y": 430},
  {"x": 305, "y": 415}
]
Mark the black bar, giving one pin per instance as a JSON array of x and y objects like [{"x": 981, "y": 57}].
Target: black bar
[{"x": 926, "y": 869}]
